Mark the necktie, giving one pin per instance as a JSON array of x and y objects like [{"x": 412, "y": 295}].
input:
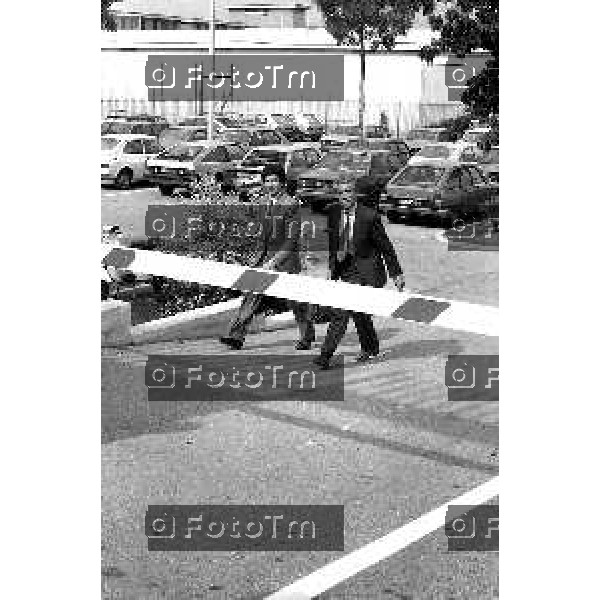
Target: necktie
[{"x": 345, "y": 246}]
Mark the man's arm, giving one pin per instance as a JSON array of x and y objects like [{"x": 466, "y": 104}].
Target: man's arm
[
  {"x": 287, "y": 226},
  {"x": 386, "y": 248}
]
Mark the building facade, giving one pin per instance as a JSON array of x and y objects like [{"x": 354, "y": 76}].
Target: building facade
[{"x": 195, "y": 14}]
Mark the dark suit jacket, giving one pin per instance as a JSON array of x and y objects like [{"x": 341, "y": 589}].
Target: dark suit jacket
[
  {"x": 372, "y": 248},
  {"x": 280, "y": 241}
]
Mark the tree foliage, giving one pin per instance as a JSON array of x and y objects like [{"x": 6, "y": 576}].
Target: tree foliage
[
  {"x": 465, "y": 26},
  {"x": 370, "y": 25},
  {"x": 106, "y": 19},
  {"x": 376, "y": 23}
]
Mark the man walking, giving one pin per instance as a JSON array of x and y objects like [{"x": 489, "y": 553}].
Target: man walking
[
  {"x": 358, "y": 248},
  {"x": 279, "y": 251}
]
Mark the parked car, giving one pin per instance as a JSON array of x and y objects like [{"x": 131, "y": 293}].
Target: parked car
[
  {"x": 180, "y": 165},
  {"x": 312, "y": 127},
  {"x": 335, "y": 141},
  {"x": 179, "y": 134},
  {"x": 369, "y": 169},
  {"x": 459, "y": 152},
  {"x": 419, "y": 137},
  {"x": 490, "y": 164},
  {"x": 440, "y": 190},
  {"x": 292, "y": 158},
  {"x": 124, "y": 157},
  {"x": 395, "y": 145},
  {"x": 476, "y": 134},
  {"x": 287, "y": 125},
  {"x": 376, "y": 132},
  {"x": 119, "y": 113},
  {"x": 125, "y": 126},
  {"x": 266, "y": 136}
]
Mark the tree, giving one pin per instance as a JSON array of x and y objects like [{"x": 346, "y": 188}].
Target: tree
[
  {"x": 106, "y": 18},
  {"x": 466, "y": 26},
  {"x": 370, "y": 25}
]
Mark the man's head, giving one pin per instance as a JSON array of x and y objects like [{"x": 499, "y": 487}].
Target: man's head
[
  {"x": 346, "y": 194},
  {"x": 272, "y": 178}
]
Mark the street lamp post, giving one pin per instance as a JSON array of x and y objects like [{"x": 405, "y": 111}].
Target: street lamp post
[{"x": 211, "y": 101}]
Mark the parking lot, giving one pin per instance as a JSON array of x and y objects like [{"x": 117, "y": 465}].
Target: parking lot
[{"x": 393, "y": 451}]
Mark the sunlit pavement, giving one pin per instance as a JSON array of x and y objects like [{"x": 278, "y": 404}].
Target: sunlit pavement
[{"x": 393, "y": 450}]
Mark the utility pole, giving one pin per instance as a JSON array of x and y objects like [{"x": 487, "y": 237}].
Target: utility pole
[{"x": 211, "y": 101}]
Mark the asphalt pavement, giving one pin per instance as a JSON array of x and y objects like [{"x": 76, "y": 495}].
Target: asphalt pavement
[{"x": 394, "y": 449}]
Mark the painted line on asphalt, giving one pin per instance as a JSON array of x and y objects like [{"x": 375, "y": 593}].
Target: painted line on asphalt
[{"x": 347, "y": 566}]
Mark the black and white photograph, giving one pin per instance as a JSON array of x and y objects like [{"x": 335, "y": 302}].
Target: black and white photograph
[{"x": 300, "y": 240}]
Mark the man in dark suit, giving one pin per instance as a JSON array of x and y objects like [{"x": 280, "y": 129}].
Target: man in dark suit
[
  {"x": 278, "y": 250},
  {"x": 358, "y": 248}
]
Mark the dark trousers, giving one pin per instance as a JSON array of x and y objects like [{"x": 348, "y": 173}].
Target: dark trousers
[
  {"x": 255, "y": 304},
  {"x": 367, "y": 336}
]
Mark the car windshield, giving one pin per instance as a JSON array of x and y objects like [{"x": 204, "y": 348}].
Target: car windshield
[
  {"x": 283, "y": 119},
  {"x": 434, "y": 152},
  {"x": 181, "y": 153},
  {"x": 109, "y": 143},
  {"x": 228, "y": 122},
  {"x": 117, "y": 127},
  {"x": 473, "y": 136},
  {"x": 423, "y": 134},
  {"x": 379, "y": 144},
  {"x": 260, "y": 157},
  {"x": 492, "y": 157},
  {"x": 344, "y": 160},
  {"x": 346, "y": 130},
  {"x": 419, "y": 175}
]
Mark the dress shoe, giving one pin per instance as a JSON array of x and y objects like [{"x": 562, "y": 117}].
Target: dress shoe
[
  {"x": 364, "y": 357},
  {"x": 233, "y": 343},
  {"x": 303, "y": 345},
  {"x": 322, "y": 361}
]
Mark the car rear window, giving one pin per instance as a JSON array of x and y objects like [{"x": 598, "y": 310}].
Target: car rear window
[
  {"x": 423, "y": 134},
  {"x": 419, "y": 175},
  {"x": 260, "y": 157},
  {"x": 109, "y": 143},
  {"x": 335, "y": 160},
  {"x": 194, "y": 121},
  {"x": 118, "y": 127},
  {"x": 181, "y": 153},
  {"x": 474, "y": 136}
]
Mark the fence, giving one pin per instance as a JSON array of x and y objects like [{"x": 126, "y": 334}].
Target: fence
[{"x": 402, "y": 116}]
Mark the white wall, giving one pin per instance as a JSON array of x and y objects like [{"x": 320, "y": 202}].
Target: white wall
[{"x": 394, "y": 81}]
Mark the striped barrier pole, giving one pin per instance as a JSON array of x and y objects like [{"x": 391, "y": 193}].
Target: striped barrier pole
[{"x": 406, "y": 306}]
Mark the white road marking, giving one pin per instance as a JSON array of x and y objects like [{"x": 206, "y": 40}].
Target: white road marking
[{"x": 339, "y": 570}]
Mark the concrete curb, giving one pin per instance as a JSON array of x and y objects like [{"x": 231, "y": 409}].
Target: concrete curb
[{"x": 200, "y": 323}]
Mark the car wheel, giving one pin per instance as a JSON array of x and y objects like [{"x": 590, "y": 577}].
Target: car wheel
[
  {"x": 166, "y": 190},
  {"x": 124, "y": 179}
]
